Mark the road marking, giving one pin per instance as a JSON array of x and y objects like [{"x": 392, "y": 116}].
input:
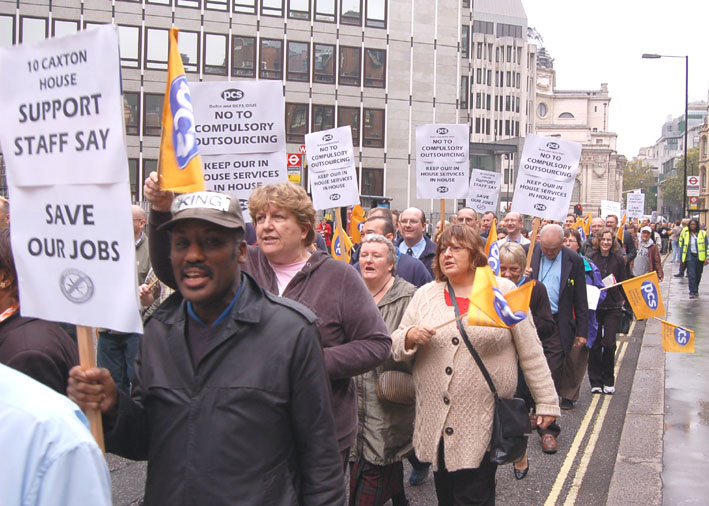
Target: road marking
[
  {"x": 581, "y": 433},
  {"x": 591, "y": 446}
]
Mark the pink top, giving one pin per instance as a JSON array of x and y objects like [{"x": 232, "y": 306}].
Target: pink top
[{"x": 284, "y": 273}]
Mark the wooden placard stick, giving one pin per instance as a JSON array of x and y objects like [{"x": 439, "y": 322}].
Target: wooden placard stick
[
  {"x": 87, "y": 360},
  {"x": 443, "y": 214},
  {"x": 533, "y": 239}
]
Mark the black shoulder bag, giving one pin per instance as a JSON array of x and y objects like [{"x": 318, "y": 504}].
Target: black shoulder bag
[{"x": 510, "y": 424}]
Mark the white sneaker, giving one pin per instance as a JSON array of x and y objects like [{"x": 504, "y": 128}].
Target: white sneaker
[
  {"x": 596, "y": 390},
  {"x": 608, "y": 390}
]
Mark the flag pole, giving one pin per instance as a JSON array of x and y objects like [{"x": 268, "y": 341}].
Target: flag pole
[
  {"x": 451, "y": 321},
  {"x": 87, "y": 360},
  {"x": 443, "y": 214},
  {"x": 535, "y": 230}
]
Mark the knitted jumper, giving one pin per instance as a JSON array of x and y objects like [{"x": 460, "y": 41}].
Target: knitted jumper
[{"x": 444, "y": 370}]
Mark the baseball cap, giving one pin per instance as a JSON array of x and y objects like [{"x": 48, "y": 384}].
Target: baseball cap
[
  {"x": 218, "y": 208},
  {"x": 646, "y": 229}
]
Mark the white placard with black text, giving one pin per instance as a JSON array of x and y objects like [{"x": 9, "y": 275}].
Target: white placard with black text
[
  {"x": 609, "y": 207},
  {"x": 442, "y": 165},
  {"x": 484, "y": 190},
  {"x": 331, "y": 168},
  {"x": 546, "y": 177},
  {"x": 635, "y": 205}
]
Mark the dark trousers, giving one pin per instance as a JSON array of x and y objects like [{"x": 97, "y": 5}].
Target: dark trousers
[
  {"x": 601, "y": 360},
  {"x": 466, "y": 487},
  {"x": 694, "y": 272},
  {"x": 116, "y": 352},
  {"x": 554, "y": 353},
  {"x": 416, "y": 463}
]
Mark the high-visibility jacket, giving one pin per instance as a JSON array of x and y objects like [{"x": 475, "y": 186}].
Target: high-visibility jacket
[{"x": 701, "y": 244}]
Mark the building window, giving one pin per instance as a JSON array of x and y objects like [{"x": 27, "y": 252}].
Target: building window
[
  {"x": 133, "y": 177},
  {"x": 507, "y": 102},
  {"x": 517, "y": 104},
  {"x": 188, "y": 43},
  {"x": 375, "y": 68},
  {"x": 324, "y": 63},
  {"x": 7, "y": 31},
  {"x": 245, "y": 6},
  {"x": 152, "y": 114},
  {"x": 466, "y": 3},
  {"x": 566, "y": 115},
  {"x": 129, "y": 39},
  {"x": 519, "y": 80},
  {"x": 478, "y": 101},
  {"x": 485, "y": 27},
  {"x": 149, "y": 165},
  {"x": 299, "y": 9},
  {"x": 479, "y": 73},
  {"x": 156, "y": 45},
  {"x": 217, "y": 5},
  {"x": 463, "y": 103},
  {"x": 489, "y": 52},
  {"x": 479, "y": 53},
  {"x": 323, "y": 117},
  {"x": 477, "y": 125},
  {"x": 488, "y": 102},
  {"x": 351, "y": 12},
  {"x": 505, "y": 30},
  {"x": 131, "y": 112},
  {"x": 325, "y": 10},
  {"x": 271, "y": 59},
  {"x": 243, "y": 63},
  {"x": 215, "y": 54},
  {"x": 465, "y": 41},
  {"x": 296, "y": 122},
  {"x": 372, "y": 182},
  {"x": 298, "y": 61},
  {"x": 61, "y": 27},
  {"x": 576, "y": 192},
  {"x": 350, "y": 60},
  {"x": 32, "y": 29},
  {"x": 272, "y": 8},
  {"x": 489, "y": 77},
  {"x": 542, "y": 110},
  {"x": 374, "y": 128},
  {"x": 376, "y": 13},
  {"x": 157, "y": 2},
  {"x": 195, "y": 4},
  {"x": 509, "y": 54},
  {"x": 349, "y": 116}
]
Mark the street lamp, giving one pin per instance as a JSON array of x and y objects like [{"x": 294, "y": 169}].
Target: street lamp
[{"x": 686, "y": 117}]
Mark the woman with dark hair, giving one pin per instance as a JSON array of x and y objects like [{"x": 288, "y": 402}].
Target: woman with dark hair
[
  {"x": 693, "y": 244},
  {"x": 454, "y": 404},
  {"x": 40, "y": 349},
  {"x": 607, "y": 256}
]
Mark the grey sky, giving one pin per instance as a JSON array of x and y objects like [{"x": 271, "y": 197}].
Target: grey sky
[{"x": 602, "y": 41}]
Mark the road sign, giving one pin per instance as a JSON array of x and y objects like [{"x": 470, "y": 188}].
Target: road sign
[
  {"x": 692, "y": 180},
  {"x": 693, "y": 202},
  {"x": 693, "y": 191},
  {"x": 302, "y": 149},
  {"x": 294, "y": 159}
]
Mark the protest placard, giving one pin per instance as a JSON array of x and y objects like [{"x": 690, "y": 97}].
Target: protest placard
[
  {"x": 635, "y": 205},
  {"x": 546, "y": 177},
  {"x": 609, "y": 207},
  {"x": 442, "y": 166},
  {"x": 484, "y": 190},
  {"x": 62, "y": 134},
  {"x": 333, "y": 178}
]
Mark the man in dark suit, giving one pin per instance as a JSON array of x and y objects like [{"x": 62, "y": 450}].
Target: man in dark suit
[
  {"x": 412, "y": 225},
  {"x": 562, "y": 272}
]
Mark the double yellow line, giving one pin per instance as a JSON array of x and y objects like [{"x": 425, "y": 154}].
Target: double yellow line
[{"x": 595, "y": 424}]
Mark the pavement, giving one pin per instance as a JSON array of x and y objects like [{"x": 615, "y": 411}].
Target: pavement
[{"x": 647, "y": 445}]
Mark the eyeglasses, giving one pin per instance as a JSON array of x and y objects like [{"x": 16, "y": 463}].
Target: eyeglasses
[{"x": 453, "y": 247}]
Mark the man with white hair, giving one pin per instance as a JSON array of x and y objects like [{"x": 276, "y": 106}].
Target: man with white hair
[{"x": 562, "y": 272}]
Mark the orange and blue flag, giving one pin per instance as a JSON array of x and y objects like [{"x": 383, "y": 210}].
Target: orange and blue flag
[
  {"x": 587, "y": 224},
  {"x": 643, "y": 293},
  {"x": 357, "y": 220},
  {"x": 341, "y": 244},
  {"x": 621, "y": 229},
  {"x": 676, "y": 339},
  {"x": 579, "y": 225},
  {"x": 180, "y": 165},
  {"x": 490, "y": 308},
  {"x": 492, "y": 249}
]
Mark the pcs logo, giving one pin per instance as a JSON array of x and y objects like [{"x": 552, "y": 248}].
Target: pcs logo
[
  {"x": 184, "y": 136},
  {"x": 232, "y": 95},
  {"x": 681, "y": 336},
  {"x": 442, "y": 189},
  {"x": 503, "y": 310},
  {"x": 649, "y": 293},
  {"x": 553, "y": 145},
  {"x": 442, "y": 131},
  {"x": 327, "y": 137},
  {"x": 337, "y": 247},
  {"x": 335, "y": 196},
  {"x": 540, "y": 207}
]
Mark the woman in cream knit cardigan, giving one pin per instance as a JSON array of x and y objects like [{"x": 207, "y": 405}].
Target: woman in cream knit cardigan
[{"x": 454, "y": 405}]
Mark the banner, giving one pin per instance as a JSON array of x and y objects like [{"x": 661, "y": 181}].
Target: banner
[
  {"x": 492, "y": 250},
  {"x": 442, "y": 161},
  {"x": 635, "y": 206},
  {"x": 546, "y": 177},
  {"x": 180, "y": 165},
  {"x": 484, "y": 190},
  {"x": 610, "y": 207},
  {"x": 72, "y": 233},
  {"x": 580, "y": 226},
  {"x": 490, "y": 308},
  {"x": 643, "y": 293},
  {"x": 621, "y": 230},
  {"x": 241, "y": 134},
  {"x": 331, "y": 165},
  {"x": 676, "y": 339},
  {"x": 341, "y": 244},
  {"x": 587, "y": 224}
]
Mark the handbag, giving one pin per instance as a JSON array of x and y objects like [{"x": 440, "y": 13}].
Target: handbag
[
  {"x": 625, "y": 320},
  {"x": 396, "y": 387},
  {"x": 511, "y": 423}
]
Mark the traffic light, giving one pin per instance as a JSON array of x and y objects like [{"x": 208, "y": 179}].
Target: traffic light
[{"x": 578, "y": 210}]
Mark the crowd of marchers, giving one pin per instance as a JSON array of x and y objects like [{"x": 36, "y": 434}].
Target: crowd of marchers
[{"x": 268, "y": 370}]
